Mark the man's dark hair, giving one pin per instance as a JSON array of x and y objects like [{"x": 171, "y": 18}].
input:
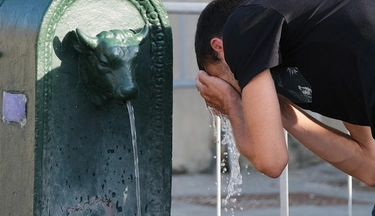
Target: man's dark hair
[{"x": 210, "y": 24}]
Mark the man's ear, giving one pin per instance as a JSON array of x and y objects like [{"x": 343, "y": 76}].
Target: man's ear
[{"x": 217, "y": 44}]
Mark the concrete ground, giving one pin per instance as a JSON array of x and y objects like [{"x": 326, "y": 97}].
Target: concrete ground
[{"x": 315, "y": 191}]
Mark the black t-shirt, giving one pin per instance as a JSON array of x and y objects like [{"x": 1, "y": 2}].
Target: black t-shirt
[{"x": 332, "y": 43}]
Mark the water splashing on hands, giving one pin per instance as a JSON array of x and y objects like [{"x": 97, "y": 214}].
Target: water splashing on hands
[{"x": 217, "y": 93}]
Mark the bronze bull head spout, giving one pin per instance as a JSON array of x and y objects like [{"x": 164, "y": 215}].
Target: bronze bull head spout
[{"x": 106, "y": 63}]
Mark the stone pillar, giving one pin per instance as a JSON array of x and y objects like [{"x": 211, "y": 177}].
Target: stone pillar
[
  {"x": 19, "y": 26},
  {"x": 72, "y": 157}
]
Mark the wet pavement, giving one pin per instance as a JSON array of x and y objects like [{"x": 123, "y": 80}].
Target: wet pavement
[{"x": 319, "y": 190}]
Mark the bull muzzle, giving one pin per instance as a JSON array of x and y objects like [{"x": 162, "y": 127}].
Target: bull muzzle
[{"x": 125, "y": 93}]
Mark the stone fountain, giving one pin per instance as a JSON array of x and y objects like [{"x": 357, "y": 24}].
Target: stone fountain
[{"x": 67, "y": 68}]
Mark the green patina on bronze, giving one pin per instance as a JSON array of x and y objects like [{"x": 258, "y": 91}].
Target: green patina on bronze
[
  {"x": 84, "y": 159},
  {"x": 106, "y": 63}
]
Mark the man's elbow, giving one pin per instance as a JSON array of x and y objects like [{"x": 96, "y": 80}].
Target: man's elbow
[
  {"x": 370, "y": 183},
  {"x": 369, "y": 180},
  {"x": 272, "y": 172},
  {"x": 271, "y": 168}
]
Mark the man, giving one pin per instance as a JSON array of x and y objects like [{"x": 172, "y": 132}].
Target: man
[{"x": 330, "y": 43}]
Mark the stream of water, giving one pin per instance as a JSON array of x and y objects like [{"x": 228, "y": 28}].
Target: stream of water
[
  {"x": 233, "y": 156},
  {"x": 235, "y": 180},
  {"x": 135, "y": 151}
]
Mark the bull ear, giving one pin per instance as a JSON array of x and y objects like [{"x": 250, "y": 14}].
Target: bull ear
[
  {"x": 85, "y": 41},
  {"x": 142, "y": 34},
  {"x": 58, "y": 47}
]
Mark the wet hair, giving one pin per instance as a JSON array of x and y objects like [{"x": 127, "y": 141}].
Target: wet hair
[{"x": 210, "y": 24}]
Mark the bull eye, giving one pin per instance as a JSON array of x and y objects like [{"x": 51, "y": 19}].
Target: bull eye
[{"x": 103, "y": 63}]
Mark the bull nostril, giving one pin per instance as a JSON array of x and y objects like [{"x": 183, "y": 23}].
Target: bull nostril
[{"x": 124, "y": 93}]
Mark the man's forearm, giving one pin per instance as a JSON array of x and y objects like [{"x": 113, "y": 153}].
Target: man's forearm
[
  {"x": 260, "y": 144},
  {"x": 335, "y": 147}
]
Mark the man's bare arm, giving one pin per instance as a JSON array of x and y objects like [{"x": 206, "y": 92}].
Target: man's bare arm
[
  {"x": 265, "y": 146},
  {"x": 256, "y": 119},
  {"x": 354, "y": 154}
]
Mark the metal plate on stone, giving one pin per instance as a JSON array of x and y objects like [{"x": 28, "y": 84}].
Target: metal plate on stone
[{"x": 14, "y": 107}]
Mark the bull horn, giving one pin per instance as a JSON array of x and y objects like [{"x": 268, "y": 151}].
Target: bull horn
[
  {"x": 142, "y": 34},
  {"x": 86, "y": 40}
]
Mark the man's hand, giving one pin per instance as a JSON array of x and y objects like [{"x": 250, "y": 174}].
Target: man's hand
[
  {"x": 217, "y": 93},
  {"x": 255, "y": 118}
]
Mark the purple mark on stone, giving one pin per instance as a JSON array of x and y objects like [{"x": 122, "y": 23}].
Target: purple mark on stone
[{"x": 14, "y": 108}]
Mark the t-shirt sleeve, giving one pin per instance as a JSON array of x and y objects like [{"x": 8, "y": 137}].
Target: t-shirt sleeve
[{"x": 252, "y": 41}]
